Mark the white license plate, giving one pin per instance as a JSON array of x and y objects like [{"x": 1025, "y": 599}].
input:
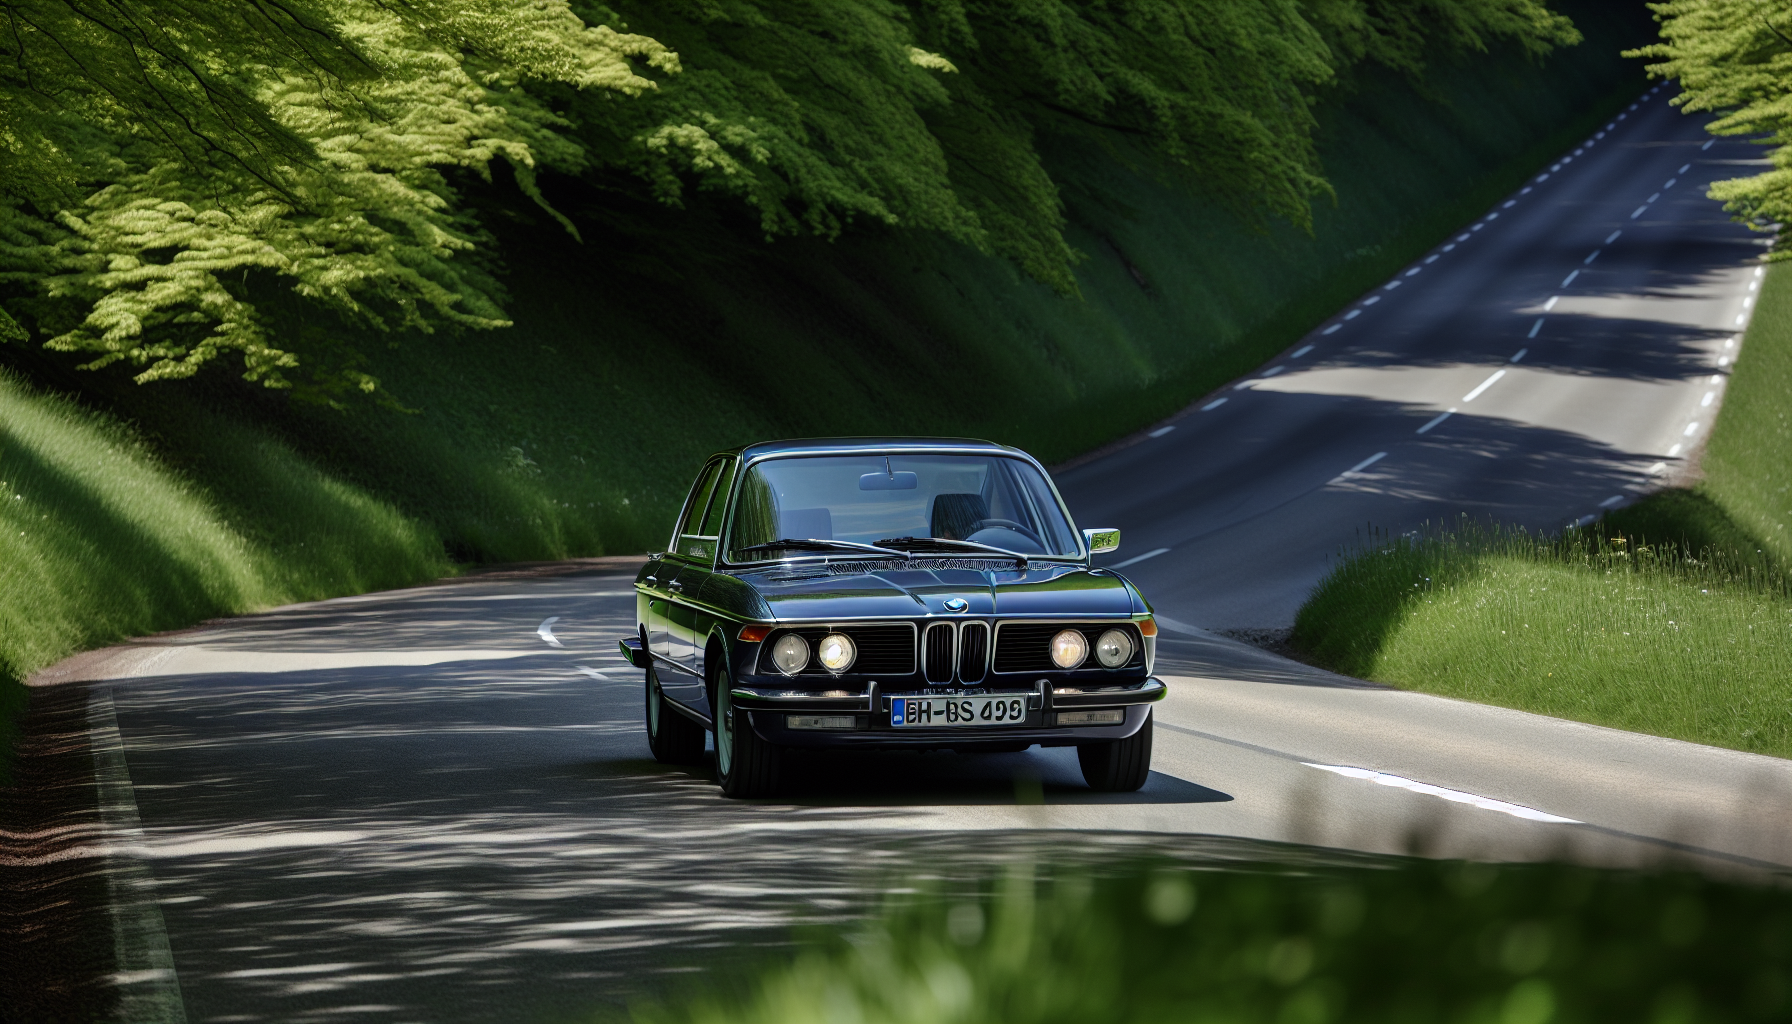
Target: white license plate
[{"x": 923, "y": 712}]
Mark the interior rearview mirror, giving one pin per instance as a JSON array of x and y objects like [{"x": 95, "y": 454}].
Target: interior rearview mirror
[
  {"x": 1100, "y": 542},
  {"x": 899, "y": 481}
]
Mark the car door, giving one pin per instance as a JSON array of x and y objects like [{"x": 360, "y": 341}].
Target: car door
[
  {"x": 700, "y": 548},
  {"x": 689, "y": 562},
  {"x": 697, "y": 554},
  {"x": 661, "y": 611}
]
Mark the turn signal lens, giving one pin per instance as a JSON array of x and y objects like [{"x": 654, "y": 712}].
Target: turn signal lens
[
  {"x": 754, "y": 634},
  {"x": 1147, "y": 627},
  {"x": 791, "y": 654},
  {"x": 1069, "y": 649},
  {"x": 1114, "y": 648},
  {"x": 836, "y": 653}
]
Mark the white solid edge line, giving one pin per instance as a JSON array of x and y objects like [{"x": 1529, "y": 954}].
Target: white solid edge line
[
  {"x": 1161, "y": 431},
  {"x": 546, "y": 631},
  {"x": 1366, "y": 463},
  {"x": 1435, "y": 420},
  {"x": 1452, "y": 795},
  {"x": 148, "y": 983},
  {"x": 1483, "y": 386},
  {"x": 1139, "y": 558}
]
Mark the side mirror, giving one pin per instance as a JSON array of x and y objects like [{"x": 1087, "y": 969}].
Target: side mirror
[{"x": 1100, "y": 542}]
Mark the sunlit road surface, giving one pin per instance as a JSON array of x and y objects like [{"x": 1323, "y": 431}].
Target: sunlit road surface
[
  {"x": 1561, "y": 355},
  {"x": 410, "y": 806},
  {"x": 437, "y": 804}
]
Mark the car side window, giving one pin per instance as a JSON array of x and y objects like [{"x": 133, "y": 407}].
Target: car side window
[
  {"x": 718, "y": 502},
  {"x": 696, "y": 537},
  {"x": 695, "y": 507}
]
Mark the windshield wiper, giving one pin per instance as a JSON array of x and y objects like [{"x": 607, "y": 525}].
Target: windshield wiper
[
  {"x": 947, "y": 542},
  {"x": 817, "y": 544}
]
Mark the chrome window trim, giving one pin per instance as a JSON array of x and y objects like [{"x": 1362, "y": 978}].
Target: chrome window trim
[{"x": 746, "y": 466}]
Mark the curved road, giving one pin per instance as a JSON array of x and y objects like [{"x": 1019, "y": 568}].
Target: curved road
[{"x": 438, "y": 804}]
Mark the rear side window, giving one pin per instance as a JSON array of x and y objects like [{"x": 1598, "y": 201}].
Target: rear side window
[{"x": 695, "y": 508}]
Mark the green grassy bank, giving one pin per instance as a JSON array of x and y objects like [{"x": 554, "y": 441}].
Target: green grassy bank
[
  {"x": 101, "y": 538},
  {"x": 1387, "y": 943},
  {"x": 669, "y": 333},
  {"x": 1673, "y": 616}
]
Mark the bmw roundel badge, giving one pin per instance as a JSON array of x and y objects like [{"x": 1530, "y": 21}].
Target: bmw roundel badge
[{"x": 956, "y": 604}]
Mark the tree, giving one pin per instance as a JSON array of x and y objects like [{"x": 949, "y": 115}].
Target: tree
[
  {"x": 162, "y": 160},
  {"x": 1733, "y": 58}
]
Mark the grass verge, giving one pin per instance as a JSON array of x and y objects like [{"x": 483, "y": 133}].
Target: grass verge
[
  {"x": 1430, "y": 942},
  {"x": 1672, "y": 617},
  {"x": 101, "y": 538}
]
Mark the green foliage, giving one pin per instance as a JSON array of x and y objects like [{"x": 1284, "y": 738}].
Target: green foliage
[
  {"x": 167, "y": 163},
  {"x": 1733, "y": 58},
  {"x": 174, "y": 165},
  {"x": 928, "y": 114},
  {"x": 1387, "y": 941},
  {"x": 1673, "y": 616}
]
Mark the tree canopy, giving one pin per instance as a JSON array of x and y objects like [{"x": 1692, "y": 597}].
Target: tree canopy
[
  {"x": 1733, "y": 58},
  {"x": 170, "y": 170}
]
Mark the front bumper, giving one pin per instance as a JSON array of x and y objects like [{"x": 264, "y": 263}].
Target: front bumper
[{"x": 870, "y": 714}]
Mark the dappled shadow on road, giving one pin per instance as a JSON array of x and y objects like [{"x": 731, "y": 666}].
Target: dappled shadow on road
[{"x": 488, "y": 840}]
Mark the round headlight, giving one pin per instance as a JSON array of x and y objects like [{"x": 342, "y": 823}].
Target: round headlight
[
  {"x": 1114, "y": 648},
  {"x": 1069, "y": 649},
  {"x": 836, "y": 653},
  {"x": 790, "y": 654}
]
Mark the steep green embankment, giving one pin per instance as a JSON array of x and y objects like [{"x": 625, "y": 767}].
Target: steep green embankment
[
  {"x": 670, "y": 333},
  {"x": 1673, "y": 617}
]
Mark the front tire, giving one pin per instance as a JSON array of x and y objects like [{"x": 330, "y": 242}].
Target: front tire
[
  {"x": 673, "y": 738},
  {"x": 746, "y": 765},
  {"x": 1119, "y": 766}
]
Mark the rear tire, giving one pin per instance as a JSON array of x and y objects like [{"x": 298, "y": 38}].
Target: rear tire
[
  {"x": 673, "y": 738},
  {"x": 1119, "y": 766},
  {"x": 746, "y": 765}
]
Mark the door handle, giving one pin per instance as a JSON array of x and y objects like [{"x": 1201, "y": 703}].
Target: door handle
[{"x": 676, "y": 587}]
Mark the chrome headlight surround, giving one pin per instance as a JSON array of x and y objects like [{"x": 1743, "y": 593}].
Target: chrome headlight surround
[
  {"x": 836, "y": 652},
  {"x": 790, "y": 654},
  {"x": 1114, "y": 648},
  {"x": 1069, "y": 649}
]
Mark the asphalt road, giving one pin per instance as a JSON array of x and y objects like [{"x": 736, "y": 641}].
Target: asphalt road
[
  {"x": 437, "y": 804},
  {"x": 1608, "y": 296}
]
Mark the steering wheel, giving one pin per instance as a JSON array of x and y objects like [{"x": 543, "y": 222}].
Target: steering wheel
[{"x": 1009, "y": 524}]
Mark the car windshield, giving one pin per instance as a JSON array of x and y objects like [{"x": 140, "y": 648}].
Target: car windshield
[{"x": 937, "y": 504}]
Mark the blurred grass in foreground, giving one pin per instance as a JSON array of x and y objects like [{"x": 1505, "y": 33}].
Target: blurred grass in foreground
[
  {"x": 1417, "y": 941},
  {"x": 1673, "y": 616}
]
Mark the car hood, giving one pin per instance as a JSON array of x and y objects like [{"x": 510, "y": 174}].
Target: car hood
[{"x": 918, "y": 590}]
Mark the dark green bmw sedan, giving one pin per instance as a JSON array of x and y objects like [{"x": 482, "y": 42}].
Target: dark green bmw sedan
[{"x": 924, "y": 593}]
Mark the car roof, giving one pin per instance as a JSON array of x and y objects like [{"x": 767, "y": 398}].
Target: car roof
[{"x": 854, "y": 445}]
